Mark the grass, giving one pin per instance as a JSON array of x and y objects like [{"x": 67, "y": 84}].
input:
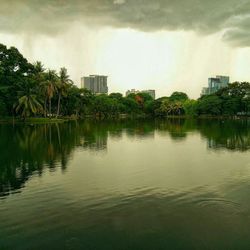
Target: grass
[
  {"x": 31, "y": 120},
  {"x": 43, "y": 120}
]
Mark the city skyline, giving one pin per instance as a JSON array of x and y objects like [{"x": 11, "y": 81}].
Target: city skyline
[
  {"x": 165, "y": 45},
  {"x": 215, "y": 83}
]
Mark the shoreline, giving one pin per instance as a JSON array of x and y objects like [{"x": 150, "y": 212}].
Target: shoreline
[{"x": 41, "y": 120}]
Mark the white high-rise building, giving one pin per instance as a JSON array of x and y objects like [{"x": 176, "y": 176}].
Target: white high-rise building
[{"x": 97, "y": 84}]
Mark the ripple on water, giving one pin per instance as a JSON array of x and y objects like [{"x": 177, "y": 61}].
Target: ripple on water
[{"x": 216, "y": 204}]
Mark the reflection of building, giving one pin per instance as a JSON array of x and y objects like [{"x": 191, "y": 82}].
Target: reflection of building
[
  {"x": 214, "y": 84},
  {"x": 95, "y": 83},
  {"x": 151, "y": 92}
]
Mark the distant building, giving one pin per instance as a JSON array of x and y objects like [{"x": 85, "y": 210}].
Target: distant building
[
  {"x": 214, "y": 84},
  {"x": 151, "y": 92},
  {"x": 97, "y": 84},
  {"x": 132, "y": 91}
]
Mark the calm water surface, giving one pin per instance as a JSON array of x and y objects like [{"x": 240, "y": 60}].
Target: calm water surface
[{"x": 172, "y": 184}]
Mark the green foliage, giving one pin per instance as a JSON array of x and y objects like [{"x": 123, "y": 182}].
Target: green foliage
[
  {"x": 31, "y": 90},
  {"x": 232, "y": 100},
  {"x": 145, "y": 96},
  {"x": 168, "y": 107},
  {"x": 62, "y": 85},
  {"x": 117, "y": 96},
  {"x": 178, "y": 96},
  {"x": 28, "y": 103},
  {"x": 211, "y": 105},
  {"x": 131, "y": 105},
  {"x": 3, "y": 108},
  {"x": 14, "y": 72},
  {"x": 190, "y": 107}
]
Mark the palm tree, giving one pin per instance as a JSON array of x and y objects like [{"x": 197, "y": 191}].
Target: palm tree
[
  {"x": 50, "y": 85},
  {"x": 62, "y": 86},
  {"x": 43, "y": 89},
  {"x": 38, "y": 68},
  {"x": 28, "y": 103},
  {"x": 39, "y": 71},
  {"x": 177, "y": 108}
]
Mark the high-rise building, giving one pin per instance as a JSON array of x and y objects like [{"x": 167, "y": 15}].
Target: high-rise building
[
  {"x": 97, "y": 84},
  {"x": 214, "y": 84},
  {"x": 151, "y": 92},
  {"x": 132, "y": 91}
]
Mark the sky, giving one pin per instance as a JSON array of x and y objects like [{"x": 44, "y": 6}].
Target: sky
[{"x": 166, "y": 45}]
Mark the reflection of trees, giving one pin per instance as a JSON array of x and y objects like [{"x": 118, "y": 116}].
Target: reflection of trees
[
  {"x": 231, "y": 135},
  {"x": 26, "y": 150},
  {"x": 176, "y": 128},
  {"x": 228, "y": 134}
]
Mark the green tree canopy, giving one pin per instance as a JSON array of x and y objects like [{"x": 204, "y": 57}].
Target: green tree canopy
[{"x": 178, "y": 96}]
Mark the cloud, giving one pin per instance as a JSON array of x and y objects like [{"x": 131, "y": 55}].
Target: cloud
[
  {"x": 230, "y": 17},
  {"x": 119, "y": 1}
]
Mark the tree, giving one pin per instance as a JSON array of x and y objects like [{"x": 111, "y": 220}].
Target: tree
[
  {"x": 145, "y": 96},
  {"x": 170, "y": 108},
  {"x": 117, "y": 96},
  {"x": 38, "y": 68},
  {"x": 28, "y": 103},
  {"x": 246, "y": 102},
  {"x": 209, "y": 105},
  {"x": 76, "y": 101},
  {"x": 14, "y": 71},
  {"x": 177, "y": 108},
  {"x": 63, "y": 84},
  {"x": 190, "y": 107},
  {"x": 50, "y": 85},
  {"x": 178, "y": 96},
  {"x": 130, "y": 104},
  {"x": 164, "y": 108},
  {"x": 103, "y": 105}
]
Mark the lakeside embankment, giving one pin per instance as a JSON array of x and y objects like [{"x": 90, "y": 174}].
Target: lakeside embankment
[{"x": 42, "y": 120}]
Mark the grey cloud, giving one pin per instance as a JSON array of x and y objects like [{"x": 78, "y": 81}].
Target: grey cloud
[
  {"x": 202, "y": 16},
  {"x": 119, "y": 1}
]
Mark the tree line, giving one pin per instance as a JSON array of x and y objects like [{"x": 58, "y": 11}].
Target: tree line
[{"x": 30, "y": 90}]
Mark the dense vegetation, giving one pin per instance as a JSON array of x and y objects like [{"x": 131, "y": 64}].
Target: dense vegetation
[{"x": 30, "y": 90}]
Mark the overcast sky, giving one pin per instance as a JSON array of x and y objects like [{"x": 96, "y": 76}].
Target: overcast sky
[{"x": 165, "y": 45}]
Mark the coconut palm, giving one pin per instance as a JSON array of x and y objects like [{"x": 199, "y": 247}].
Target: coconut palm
[
  {"x": 38, "y": 68},
  {"x": 28, "y": 104},
  {"x": 62, "y": 86},
  {"x": 43, "y": 90},
  {"x": 177, "y": 108},
  {"x": 50, "y": 86},
  {"x": 39, "y": 76}
]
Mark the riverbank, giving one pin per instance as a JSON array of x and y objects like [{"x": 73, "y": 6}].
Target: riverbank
[
  {"x": 32, "y": 120},
  {"x": 42, "y": 120}
]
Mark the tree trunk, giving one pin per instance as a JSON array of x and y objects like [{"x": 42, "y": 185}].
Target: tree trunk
[
  {"x": 45, "y": 107},
  {"x": 58, "y": 105},
  {"x": 49, "y": 108}
]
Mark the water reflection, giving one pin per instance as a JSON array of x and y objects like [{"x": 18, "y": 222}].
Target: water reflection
[
  {"x": 227, "y": 134},
  {"x": 28, "y": 150}
]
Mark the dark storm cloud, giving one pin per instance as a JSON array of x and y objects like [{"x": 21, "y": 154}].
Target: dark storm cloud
[{"x": 231, "y": 17}]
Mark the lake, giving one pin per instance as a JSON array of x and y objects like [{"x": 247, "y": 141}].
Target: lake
[{"x": 161, "y": 184}]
